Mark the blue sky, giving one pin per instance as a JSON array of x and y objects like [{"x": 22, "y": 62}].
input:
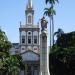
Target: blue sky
[{"x": 13, "y": 11}]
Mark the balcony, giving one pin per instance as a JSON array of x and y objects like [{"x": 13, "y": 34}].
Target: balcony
[{"x": 29, "y": 26}]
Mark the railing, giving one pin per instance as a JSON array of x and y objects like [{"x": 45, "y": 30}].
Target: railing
[{"x": 29, "y": 26}]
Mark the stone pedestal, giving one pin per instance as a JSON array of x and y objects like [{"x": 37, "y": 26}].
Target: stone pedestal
[{"x": 44, "y": 55}]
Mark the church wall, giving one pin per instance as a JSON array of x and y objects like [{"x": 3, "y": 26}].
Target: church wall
[
  {"x": 23, "y": 49},
  {"x": 29, "y": 52}
]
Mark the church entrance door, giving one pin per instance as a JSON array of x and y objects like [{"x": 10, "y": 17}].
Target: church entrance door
[{"x": 29, "y": 71}]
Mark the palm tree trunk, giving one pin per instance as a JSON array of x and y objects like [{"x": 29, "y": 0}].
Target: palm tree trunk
[
  {"x": 52, "y": 26},
  {"x": 52, "y": 30},
  {"x": 50, "y": 34}
]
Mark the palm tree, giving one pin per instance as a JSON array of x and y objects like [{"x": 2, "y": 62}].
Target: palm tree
[
  {"x": 50, "y": 11},
  {"x": 51, "y": 1}
]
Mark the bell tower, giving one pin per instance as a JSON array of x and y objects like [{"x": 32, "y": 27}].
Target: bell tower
[
  {"x": 29, "y": 12},
  {"x": 29, "y": 46},
  {"x": 29, "y": 33}
]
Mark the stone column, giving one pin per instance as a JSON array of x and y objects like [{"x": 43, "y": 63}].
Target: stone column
[{"x": 44, "y": 54}]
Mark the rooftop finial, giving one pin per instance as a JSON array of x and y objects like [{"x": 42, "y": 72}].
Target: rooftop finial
[{"x": 29, "y": 4}]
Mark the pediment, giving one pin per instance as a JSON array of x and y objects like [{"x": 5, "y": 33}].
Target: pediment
[{"x": 30, "y": 56}]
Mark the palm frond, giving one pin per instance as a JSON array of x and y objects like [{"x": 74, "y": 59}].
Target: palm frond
[
  {"x": 51, "y": 1},
  {"x": 57, "y": 1},
  {"x": 46, "y": 1},
  {"x": 49, "y": 11},
  {"x": 53, "y": 12}
]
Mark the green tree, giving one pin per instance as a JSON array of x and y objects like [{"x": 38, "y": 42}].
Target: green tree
[
  {"x": 58, "y": 33},
  {"x": 5, "y": 45},
  {"x": 14, "y": 63},
  {"x": 62, "y": 57},
  {"x": 9, "y": 64}
]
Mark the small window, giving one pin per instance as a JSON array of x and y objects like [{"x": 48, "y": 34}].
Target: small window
[
  {"x": 29, "y": 19},
  {"x": 23, "y": 39},
  {"x": 29, "y": 39},
  {"x": 22, "y": 48},
  {"x": 35, "y": 39},
  {"x": 29, "y": 33}
]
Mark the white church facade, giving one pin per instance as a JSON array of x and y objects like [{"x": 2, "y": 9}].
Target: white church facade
[
  {"x": 29, "y": 46},
  {"x": 32, "y": 45}
]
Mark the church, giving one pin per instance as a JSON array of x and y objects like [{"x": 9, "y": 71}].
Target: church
[{"x": 29, "y": 45}]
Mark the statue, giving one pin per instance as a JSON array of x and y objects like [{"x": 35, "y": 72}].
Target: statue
[{"x": 43, "y": 24}]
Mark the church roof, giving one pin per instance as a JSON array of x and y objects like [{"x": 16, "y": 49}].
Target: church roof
[
  {"x": 30, "y": 56},
  {"x": 30, "y": 51}
]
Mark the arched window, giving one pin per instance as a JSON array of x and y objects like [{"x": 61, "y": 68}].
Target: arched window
[
  {"x": 29, "y": 19},
  {"x": 29, "y": 38},
  {"x": 35, "y": 39},
  {"x": 23, "y": 38}
]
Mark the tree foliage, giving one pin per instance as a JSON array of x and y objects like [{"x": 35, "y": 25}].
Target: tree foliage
[
  {"x": 51, "y": 1},
  {"x": 49, "y": 12},
  {"x": 9, "y": 64},
  {"x": 67, "y": 40},
  {"x": 62, "y": 57}
]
